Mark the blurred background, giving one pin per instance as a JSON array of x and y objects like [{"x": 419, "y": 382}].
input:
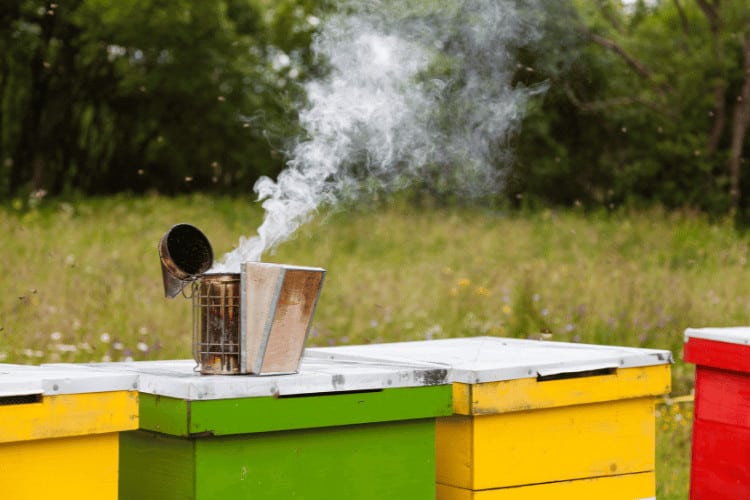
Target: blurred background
[
  {"x": 621, "y": 217},
  {"x": 645, "y": 102}
]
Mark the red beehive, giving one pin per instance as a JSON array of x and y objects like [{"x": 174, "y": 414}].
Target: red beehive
[{"x": 721, "y": 430}]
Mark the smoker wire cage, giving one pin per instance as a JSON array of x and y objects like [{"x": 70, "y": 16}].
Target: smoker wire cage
[{"x": 216, "y": 323}]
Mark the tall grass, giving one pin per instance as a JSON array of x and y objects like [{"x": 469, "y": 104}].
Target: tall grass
[{"x": 82, "y": 281}]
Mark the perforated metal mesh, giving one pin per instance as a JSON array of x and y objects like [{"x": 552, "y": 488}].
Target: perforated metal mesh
[
  {"x": 216, "y": 323},
  {"x": 189, "y": 249}
]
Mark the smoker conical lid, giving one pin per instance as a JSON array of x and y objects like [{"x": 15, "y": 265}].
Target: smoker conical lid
[{"x": 185, "y": 254}]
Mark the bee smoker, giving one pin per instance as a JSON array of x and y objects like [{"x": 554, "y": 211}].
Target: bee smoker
[
  {"x": 252, "y": 322},
  {"x": 186, "y": 255}
]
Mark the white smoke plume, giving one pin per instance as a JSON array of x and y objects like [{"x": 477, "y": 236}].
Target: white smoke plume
[{"x": 418, "y": 91}]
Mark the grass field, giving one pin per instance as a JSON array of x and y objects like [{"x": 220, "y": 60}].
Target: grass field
[{"x": 82, "y": 282}]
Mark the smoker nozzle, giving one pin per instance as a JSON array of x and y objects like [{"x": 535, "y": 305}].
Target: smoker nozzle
[{"x": 185, "y": 254}]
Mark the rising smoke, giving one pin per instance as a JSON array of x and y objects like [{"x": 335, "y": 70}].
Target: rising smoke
[{"x": 418, "y": 91}]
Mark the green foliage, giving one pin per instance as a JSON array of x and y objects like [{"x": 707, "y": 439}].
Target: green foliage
[
  {"x": 634, "y": 96},
  {"x": 674, "y": 425},
  {"x": 99, "y": 96},
  {"x": 102, "y": 96}
]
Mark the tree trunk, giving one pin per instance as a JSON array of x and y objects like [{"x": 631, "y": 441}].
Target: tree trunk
[
  {"x": 740, "y": 122},
  {"x": 634, "y": 63},
  {"x": 28, "y": 163},
  {"x": 4, "y": 160},
  {"x": 720, "y": 118}
]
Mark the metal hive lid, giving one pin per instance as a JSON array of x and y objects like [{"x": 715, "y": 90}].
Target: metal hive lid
[{"x": 491, "y": 359}]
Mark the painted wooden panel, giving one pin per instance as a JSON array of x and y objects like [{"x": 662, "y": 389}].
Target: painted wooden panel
[
  {"x": 454, "y": 450},
  {"x": 527, "y": 447},
  {"x": 720, "y": 468},
  {"x": 729, "y": 356},
  {"x": 722, "y": 396},
  {"x": 377, "y": 461},
  {"x": 246, "y": 415},
  {"x": 531, "y": 393},
  {"x": 165, "y": 415},
  {"x": 69, "y": 468},
  {"x": 623, "y": 487},
  {"x": 373, "y": 461},
  {"x": 69, "y": 415},
  {"x": 156, "y": 466}
]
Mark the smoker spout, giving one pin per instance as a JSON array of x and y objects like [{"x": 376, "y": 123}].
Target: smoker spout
[{"x": 185, "y": 253}]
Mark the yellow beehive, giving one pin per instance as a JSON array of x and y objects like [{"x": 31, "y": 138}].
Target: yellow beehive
[
  {"x": 539, "y": 419},
  {"x": 59, "y": 431}
]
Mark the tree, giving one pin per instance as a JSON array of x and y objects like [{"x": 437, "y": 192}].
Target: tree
[
  {"x": 658, "y": 92},
  {"x": 100, "y": 96}
]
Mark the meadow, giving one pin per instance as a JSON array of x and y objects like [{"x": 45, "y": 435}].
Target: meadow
[{"x": 82, "y": 282}]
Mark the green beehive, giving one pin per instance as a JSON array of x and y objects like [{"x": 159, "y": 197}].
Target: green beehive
[{"x": 336, "y": 429}]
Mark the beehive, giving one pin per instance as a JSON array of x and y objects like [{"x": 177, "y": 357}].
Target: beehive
[
  {"x": 59, "y": 431},
  {"x": 720, "y": 466},
  {"x": 536, "y": 419},
  {"x": 332, "y": 430}
]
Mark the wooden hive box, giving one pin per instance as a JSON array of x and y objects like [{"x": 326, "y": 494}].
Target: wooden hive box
[
  {"x": 720, "y": 466},
  {"x": 538, "y": 419},
  {"x": 356, "y": 430},
  {"x": 59, "y": 431}
]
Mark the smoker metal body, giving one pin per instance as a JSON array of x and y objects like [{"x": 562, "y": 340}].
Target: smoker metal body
[
  {"x": 216, "y": 321},
  {"x": 255, "y": 322}
]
